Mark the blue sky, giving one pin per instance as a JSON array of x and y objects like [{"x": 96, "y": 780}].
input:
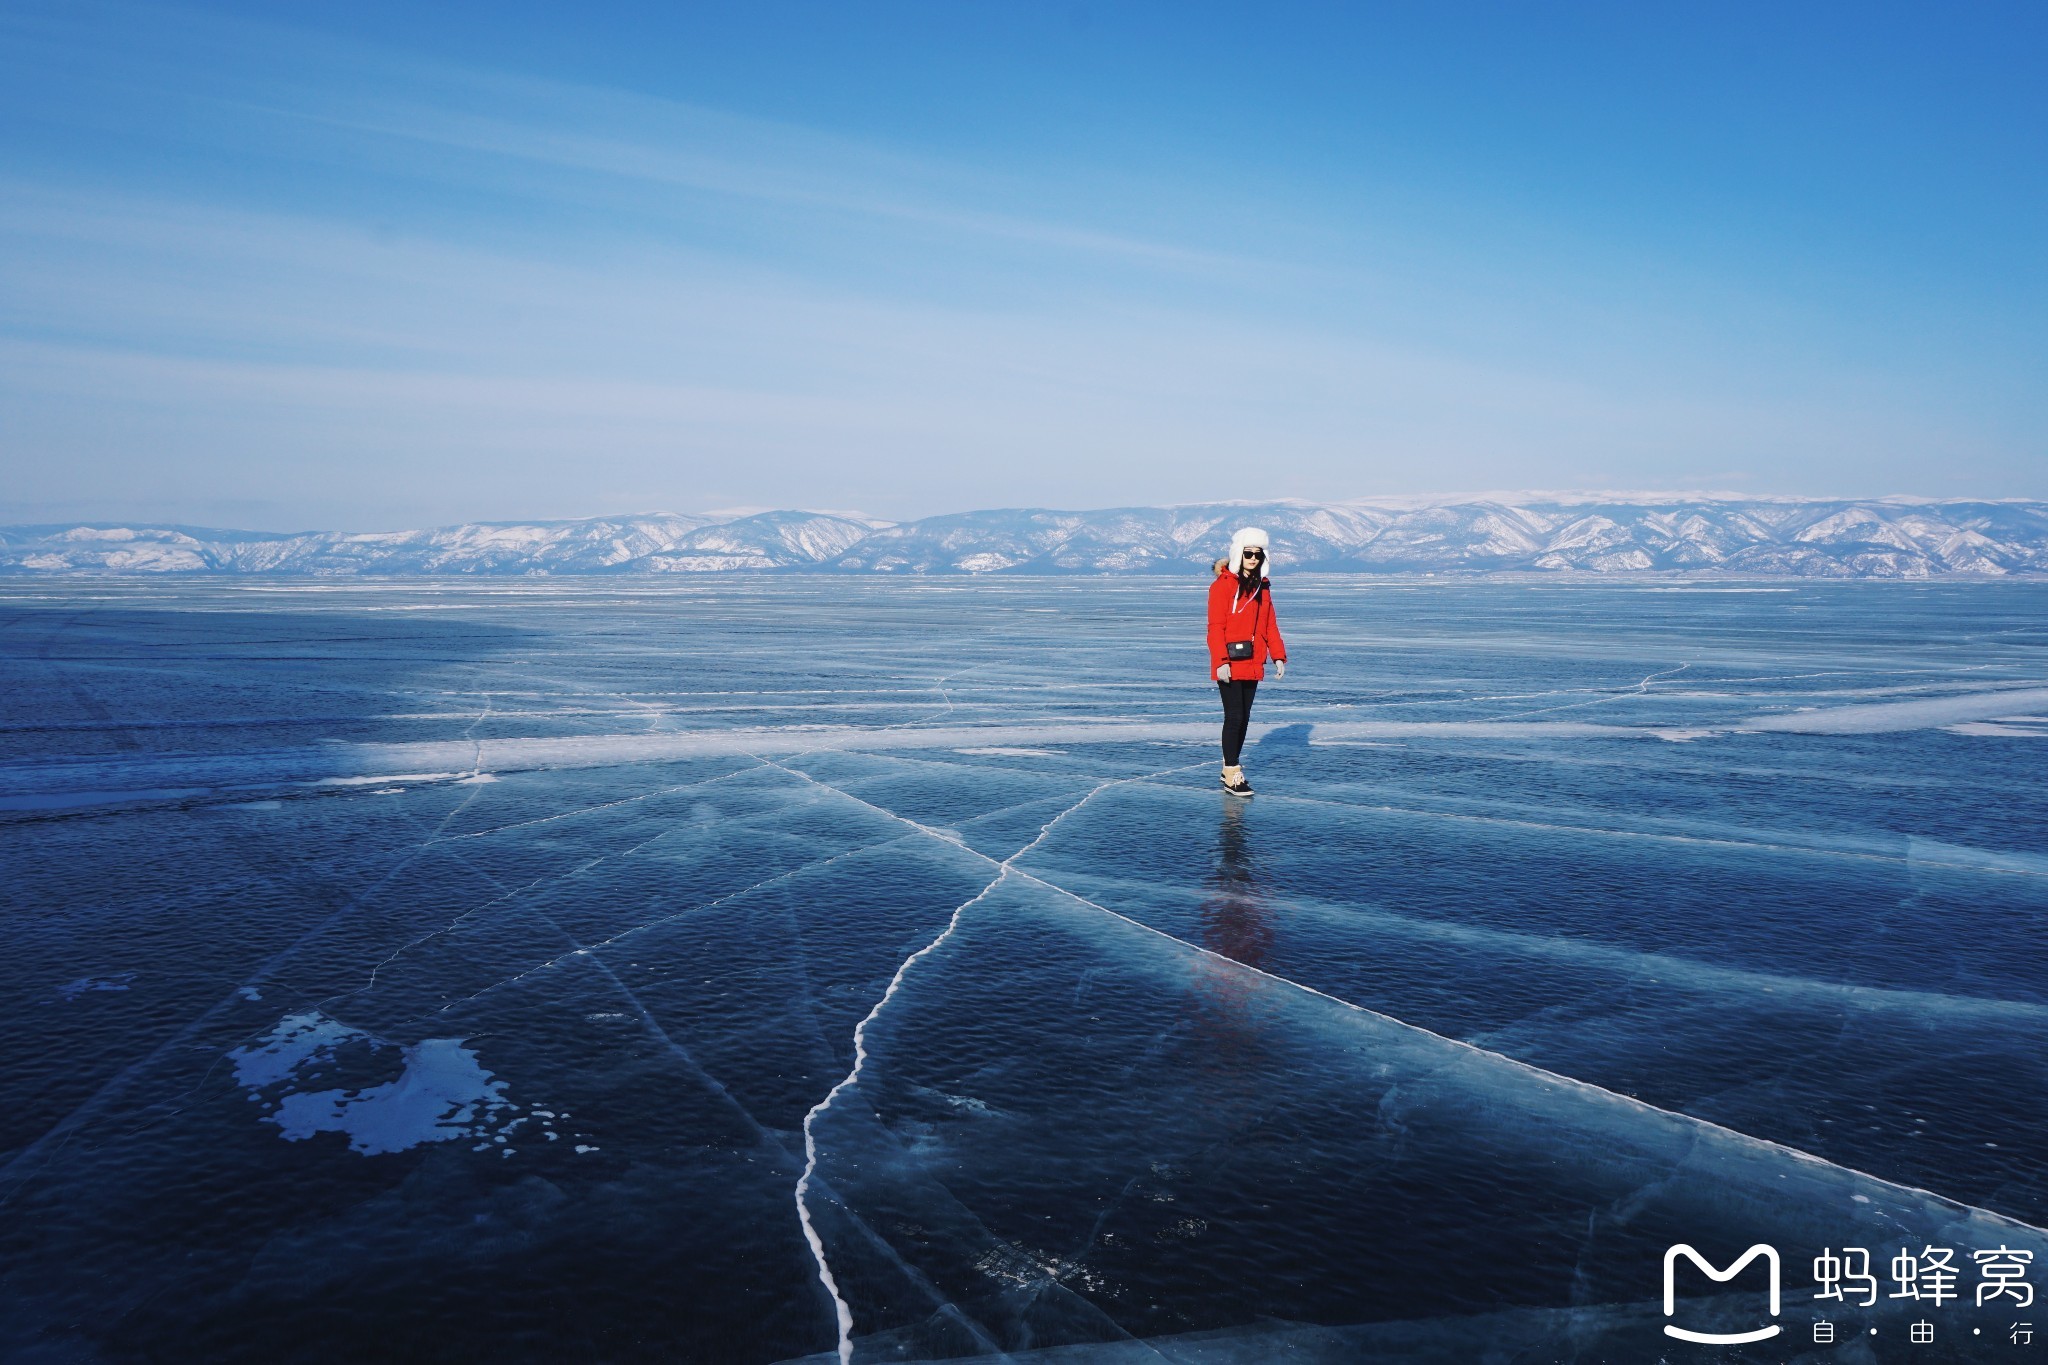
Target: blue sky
[{"x": 294, "y": 267}]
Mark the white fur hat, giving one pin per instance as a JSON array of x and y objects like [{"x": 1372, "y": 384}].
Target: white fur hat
[{"x": 1244, "y": 540}]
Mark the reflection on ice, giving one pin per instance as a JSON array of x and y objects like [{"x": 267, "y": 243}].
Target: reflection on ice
[{"x": 1237, "y": 921}]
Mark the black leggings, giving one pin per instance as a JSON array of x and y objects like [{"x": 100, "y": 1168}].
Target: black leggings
[{"x": 1237, "y": 714}]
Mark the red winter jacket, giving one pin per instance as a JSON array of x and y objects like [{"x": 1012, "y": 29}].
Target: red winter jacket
[{"x": 1235, "y": 617}]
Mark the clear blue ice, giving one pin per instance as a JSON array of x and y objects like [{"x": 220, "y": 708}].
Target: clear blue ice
[{"x": 765, "y": 969}]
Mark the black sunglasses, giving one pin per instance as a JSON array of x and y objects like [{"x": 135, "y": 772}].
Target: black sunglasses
[{"x": 1254, "y": 554}]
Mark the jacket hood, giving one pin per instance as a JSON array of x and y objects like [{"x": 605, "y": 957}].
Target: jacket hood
[{"x": 1247, "y": 538}]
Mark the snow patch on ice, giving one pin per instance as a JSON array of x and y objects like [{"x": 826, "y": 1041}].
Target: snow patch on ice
[
  {"x": 297, "y": 1040},
  {"x": 441, "y": 1092}
]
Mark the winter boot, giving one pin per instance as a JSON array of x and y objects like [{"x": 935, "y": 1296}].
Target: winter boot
[{"x": 1234, "y": 781}]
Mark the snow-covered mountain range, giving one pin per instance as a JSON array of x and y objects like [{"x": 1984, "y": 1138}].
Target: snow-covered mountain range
[{"x": 1548, "y": 532}]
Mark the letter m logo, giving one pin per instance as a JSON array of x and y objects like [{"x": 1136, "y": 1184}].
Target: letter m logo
[{"x": 1770, "y": 1255}]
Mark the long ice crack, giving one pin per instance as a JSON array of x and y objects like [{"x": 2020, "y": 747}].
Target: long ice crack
[{"x": 842, "y": 1311}]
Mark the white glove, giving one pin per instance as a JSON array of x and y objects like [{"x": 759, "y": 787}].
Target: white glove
[
  {"x": 1279, "y": 668},
  {"x": 1223, "y": 673}
]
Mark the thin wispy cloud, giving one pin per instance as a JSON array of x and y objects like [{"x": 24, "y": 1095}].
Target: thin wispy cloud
[
  {"x": 722, "y": 155},
  {"x": 385, "y": 289}
]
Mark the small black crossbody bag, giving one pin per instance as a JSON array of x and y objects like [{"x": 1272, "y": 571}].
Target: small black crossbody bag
[{"x": 1237, "y": 651}]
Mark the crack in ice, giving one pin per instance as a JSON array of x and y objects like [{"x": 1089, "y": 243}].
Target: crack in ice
[
  {"x": 1532, "y": 1069},
  {"x": 505, "y": 893},
  {"x": 767, "y": 1142},
  {"x": 65, "y": 1128},
  {"x": 592, "y": 810},
  {"x": 1661, "y": 836},
  {"x": 591, "y": 949},
  {"x": 1611, "y": 695},
  {"x": 842, "y": 1311}
]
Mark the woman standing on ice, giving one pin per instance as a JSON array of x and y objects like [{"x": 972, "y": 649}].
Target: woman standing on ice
[{"x": 1243, "y": 634}]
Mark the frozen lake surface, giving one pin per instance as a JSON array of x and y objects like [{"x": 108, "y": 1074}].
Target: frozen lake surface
[{"x": 752, "y": 969}]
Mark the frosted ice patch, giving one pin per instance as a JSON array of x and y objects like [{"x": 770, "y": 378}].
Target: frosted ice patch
[
  {"x": 1002, "y": 751},
  {"x": 386, "y": 777},
  {"x": 67, "y": 800},
  {"x": 1936, "y": 853},
  {"x": 71, "y": 990},
  {"x": 1985, "y": 727},
  {"x": 1887, "y": 717},
  {"x": 966, "y": 1103},
  {"x": 1025, "y": 1268},
  {"x": 451, "y": 760},
  {"x": 441, "y": 1091}
]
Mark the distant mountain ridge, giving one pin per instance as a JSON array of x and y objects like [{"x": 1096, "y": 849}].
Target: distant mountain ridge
[{"x": 1530, "y": 533}]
